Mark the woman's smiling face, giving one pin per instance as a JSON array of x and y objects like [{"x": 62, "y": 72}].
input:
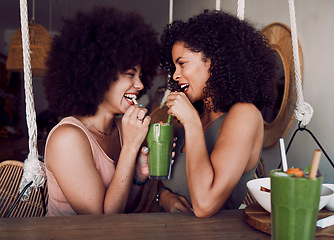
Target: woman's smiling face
[
  {"x": 191, "y": 71},
  {"x": 123, "y": 90}
]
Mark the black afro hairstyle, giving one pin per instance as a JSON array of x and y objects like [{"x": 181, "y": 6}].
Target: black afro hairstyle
[
  {"x": 243, "y": 65},
  {"x": 89, "y": 53}
]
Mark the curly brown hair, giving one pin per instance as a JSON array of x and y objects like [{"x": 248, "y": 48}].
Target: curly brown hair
[
  {"x": 89, "y": 53},
  {"x": 243, "y": 65}
]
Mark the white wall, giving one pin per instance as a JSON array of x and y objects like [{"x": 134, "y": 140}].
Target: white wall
[{"x": 315, "y": 32}]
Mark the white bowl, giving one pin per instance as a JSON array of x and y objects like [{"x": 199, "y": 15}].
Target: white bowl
[
  {"x": 263, "y": 198},
  {"x": 326, "y": 195},
  {"x": 330, "y": 204}
]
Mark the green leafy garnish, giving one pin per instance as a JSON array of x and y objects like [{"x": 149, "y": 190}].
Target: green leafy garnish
[{"x": 307, "y": 170}]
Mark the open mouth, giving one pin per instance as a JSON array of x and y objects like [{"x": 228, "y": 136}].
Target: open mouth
[
  {"x": 130, "y": 97},
  {"x": 184, "y": 87}
]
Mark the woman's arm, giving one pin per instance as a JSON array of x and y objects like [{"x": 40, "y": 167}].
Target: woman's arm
[
  {"x": 70, "y": 158},
  {"x": 211, "y": 179},
  {"x": 170, "y": 201},
  {"x": 139, "y": 180},
  {"x": 133, "y": 133}
]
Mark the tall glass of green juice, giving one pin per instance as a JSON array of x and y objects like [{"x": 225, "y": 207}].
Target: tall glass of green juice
[
  {"x": 160, "y": 144},
  {"x": 294, "y": 206}
]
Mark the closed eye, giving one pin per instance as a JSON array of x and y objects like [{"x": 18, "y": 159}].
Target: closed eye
[{"x": 179, "y": 62}]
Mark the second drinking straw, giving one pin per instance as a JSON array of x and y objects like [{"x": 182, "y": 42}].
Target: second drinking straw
[
  {"x": 315, "y": 163},
  {"x": 169, "y": 118},
  {"x": 283, "y": 155}
]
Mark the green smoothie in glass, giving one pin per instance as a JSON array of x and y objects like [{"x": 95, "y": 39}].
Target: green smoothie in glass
[
  {"x": 160, "y": 144},
  {"x": 294, "y": 206}
]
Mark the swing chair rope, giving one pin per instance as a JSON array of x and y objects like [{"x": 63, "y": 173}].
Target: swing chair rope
[
  {"x": 241, "y": 9},
  {"x": 33, "y": 169},
  {"x": 303, "y": 110},
  {"x": 168, "y": 91}
]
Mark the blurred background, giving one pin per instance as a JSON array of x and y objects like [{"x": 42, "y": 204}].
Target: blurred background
[{"x": 315, "y": 32}]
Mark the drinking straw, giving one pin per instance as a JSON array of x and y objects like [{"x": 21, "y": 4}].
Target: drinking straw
[
  {"x": 169, "y": 118},
  {"x": 315, "y": 163},
  {"x": 283, "y": 155},
  {"x": 134, "y": 101}
]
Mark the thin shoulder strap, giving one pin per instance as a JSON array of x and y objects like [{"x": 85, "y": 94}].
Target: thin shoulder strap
[{"x": 119, "y": 133}]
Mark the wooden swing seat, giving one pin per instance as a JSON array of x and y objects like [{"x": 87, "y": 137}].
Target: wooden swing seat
[{"x": 11, "y": 172}]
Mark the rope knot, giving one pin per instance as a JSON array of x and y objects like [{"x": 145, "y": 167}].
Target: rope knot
[
  {"x": 33, "y": 170},
  {"x": 303, "y": 113}
]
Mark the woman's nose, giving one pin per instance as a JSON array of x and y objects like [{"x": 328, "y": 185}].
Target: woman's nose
[
  {"x": 139, "y": 84},
  {"x": 176, "y": 75}
]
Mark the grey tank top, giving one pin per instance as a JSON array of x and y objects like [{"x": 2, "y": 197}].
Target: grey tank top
[{"x": 178, "y": 180}]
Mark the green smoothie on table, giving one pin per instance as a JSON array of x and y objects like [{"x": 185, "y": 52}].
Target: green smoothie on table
[
  {"x": 160, "y": 144},
  {"x": 294, "y": 205}
]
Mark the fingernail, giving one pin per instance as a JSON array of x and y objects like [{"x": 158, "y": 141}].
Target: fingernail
[
  {"x": 145, "y": 149},
  {"x": 140, "y": 105}
]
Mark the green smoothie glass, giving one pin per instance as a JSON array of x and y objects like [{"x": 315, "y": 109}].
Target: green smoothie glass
[
  {"x": 294, "y": 206},
  {"x": 160, "y": 144}
]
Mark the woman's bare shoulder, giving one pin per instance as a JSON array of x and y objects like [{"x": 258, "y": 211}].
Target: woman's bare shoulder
[
  {"x": 66, "y": 133},
  {"x": 244, "y": 108},
  {"x": 244, "y": 112},
  {"x": 66, "y": 141}
]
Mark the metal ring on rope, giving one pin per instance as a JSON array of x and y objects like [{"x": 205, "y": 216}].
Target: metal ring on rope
[{"x": 303, "y": 128}]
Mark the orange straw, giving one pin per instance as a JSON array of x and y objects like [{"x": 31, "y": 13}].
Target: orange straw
[{"x": 315, "y": 163}]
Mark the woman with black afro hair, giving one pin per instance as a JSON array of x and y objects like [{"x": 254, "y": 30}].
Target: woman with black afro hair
[
  {"x": 97, "y": 67},
  {"x": 226, "y": 65}
]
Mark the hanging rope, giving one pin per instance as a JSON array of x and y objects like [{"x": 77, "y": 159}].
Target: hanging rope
[
  {"x": 303, "y": 111},
  {"x": 241, "y": 9},
  {"x": 33, "y": 168},
  {"x": 168, "y": 91},
  {"x": 218, "y": 5},
  {"x": 170, "y": 11}
]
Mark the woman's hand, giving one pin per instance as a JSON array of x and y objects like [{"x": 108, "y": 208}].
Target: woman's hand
[
  {"x": 172, "y": 202},
  {"x": 173, "y": 152},
  {"x": 141, "y": 169},
  {"x": 135, "y": 125},
  {"x": 181, "y": 108}
]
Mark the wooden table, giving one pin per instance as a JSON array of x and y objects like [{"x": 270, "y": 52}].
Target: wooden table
[{"x": 227, "y": 224}]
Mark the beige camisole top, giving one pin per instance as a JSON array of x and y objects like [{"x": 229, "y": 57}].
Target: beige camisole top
[{"x": 57, "y": 204}]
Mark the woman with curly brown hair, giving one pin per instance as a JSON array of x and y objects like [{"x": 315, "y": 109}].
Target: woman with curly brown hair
[
  {"x": 227, "y": 66},
  {"x": 97, "y": 67}
]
